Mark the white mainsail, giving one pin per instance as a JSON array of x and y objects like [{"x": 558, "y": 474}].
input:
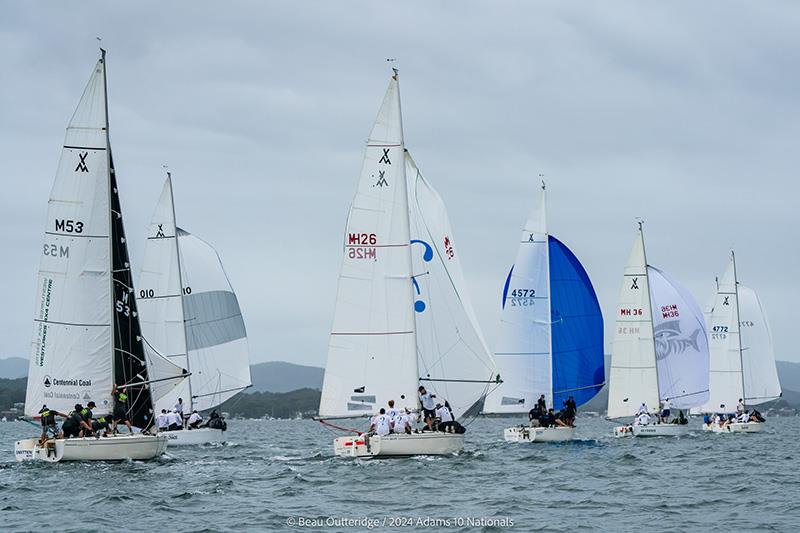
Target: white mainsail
[
  {"x": 524, "y": 350},
  {"x": 86, "y": 331},
  {"x": 633, "y": 377},
  {"x": 454, "y": 361},
  {"x": 372, "y": 351},
  {"x": 725, "y": 356},
  {"x": 190, "y": 312},
  {"x": 72, "y": 337}
]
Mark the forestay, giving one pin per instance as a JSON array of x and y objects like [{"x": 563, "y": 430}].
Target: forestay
[
  {"x": 681, "y": 344},
  {"x": 454, "y": 361},
  {"x": 372, "y": 350},
  {"x": 633, "y": 378}
]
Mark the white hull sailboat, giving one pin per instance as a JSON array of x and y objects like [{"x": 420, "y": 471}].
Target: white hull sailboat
[
  {"x": 742, "y": 364},
  {"x": 551, "y": 333},
  {"x": 660, "y": 350},
  {"x": 191, "y": 314},
  {"x": 86, "y": 334},
  {"x": 136, "y": 447},
  {"x": 539, "y": 434},
  {"x": 402, "y": 314},
  {"x": 398, "y": 445}
]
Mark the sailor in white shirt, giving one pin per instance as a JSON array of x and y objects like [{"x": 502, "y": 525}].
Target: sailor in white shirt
[
  {"x": 179, "y": 409},
  {"x": 642, "y": 420},
  {"x": 162, "y": 420},
  {"x": 381, "y": 424},
  {"x": 665, "y": 410},
  {"x": 175, "y": 421},
  {"x": 642, "y": 409},
  {"x": 445, "y": 417},
  {"x": 391, "y": 411},
  {"x": 428, "y": 406},
  {"x": 740, "y": 407},
  {"x": 194, "y": 420}
]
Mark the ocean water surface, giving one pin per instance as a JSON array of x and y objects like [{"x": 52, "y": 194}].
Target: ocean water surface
[{"x": 282, "y": 476}]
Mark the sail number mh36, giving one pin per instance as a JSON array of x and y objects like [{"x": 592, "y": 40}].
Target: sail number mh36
[{"x": 361, "y": 245}]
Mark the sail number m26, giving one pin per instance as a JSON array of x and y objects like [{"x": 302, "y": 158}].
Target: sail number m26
[
  {"x": 69, "y": 226},
  {"x": 361, "y": 245}
]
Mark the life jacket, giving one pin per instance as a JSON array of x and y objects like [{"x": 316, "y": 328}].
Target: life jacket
[{"x": 48, "y": 417}]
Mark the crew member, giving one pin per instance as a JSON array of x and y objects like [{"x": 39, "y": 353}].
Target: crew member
[
  {"x": 194, "y": 420},
  {"x": 445, "y": 417},
  {"x": 174, "y": 421},
  {"x": 541, "y": 403},
  {"x": 48, "y": 417},
  {"x": 120, "y": 413},
  {"x": 74, "y": 425},
  {"x": 102, "y": 423},
  {"x": 179, "y": 409},
  {"x": 665, "y": 410},
  {"x": 391, "y": 411},
  {"x": 740, "y": 407},
  {"x": 428, "y": 406},
  {"x": 381, "y": 424},
  {"x": 162, "y": 420}
]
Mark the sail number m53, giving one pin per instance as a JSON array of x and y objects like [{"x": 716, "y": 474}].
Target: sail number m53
[
  {"x": 55, "y": 250},
  {"x": 69, "y": 226},
  {"x": 361, "y": 245}
]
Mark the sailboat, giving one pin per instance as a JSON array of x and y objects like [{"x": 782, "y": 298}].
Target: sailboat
[
  {"x": 742, "y": 364},
  {"x": 192, "y": 316},
  {"x": 402, "y": 315},
  {"x": 86, "y": 333},
  {"x": 551, "y": 332},
  {"x": 660, "y": 350}
]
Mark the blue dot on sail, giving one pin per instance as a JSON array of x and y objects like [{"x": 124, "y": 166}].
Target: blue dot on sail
[{"x": 419, "y": 306}]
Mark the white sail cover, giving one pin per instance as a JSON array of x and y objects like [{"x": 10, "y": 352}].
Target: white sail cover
[
  {"x": 725, "y": 359},
  {"x": 523, "y": 349},
  {"x": 71, "y": 356},
  {"x": 681, "y": 343},
  {"x": 372, "y": 351},
  {"x": 633, "y": 378},
  {"x": 454, "y": 361},
  {"x": 191, "y": 316},
  {"x": 758, "y": 357}
]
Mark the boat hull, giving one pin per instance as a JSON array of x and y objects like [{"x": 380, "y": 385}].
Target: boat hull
[
  {"x": 118, "y": 448},
  {"x": 532, "y": 434},
  {"x": 661, "y": 430},
  {"x": 399, "y": 445},
  {"x": 193, "y": 437},
  {"x": 737, "y": 427}
]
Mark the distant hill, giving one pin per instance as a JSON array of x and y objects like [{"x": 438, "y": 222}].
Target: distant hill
[
  {"x": 13, "y": 368},
  {"x": 789, "y": 374},
  {"x": 280, "y": 376}
]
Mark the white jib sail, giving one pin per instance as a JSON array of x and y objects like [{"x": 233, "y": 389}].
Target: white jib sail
[
  {"x": 219, "y": 358},
  {"x": 633, "y": 378},
  {"x": 758, "y": 357},
  {"x": 454, "y": 361},
  {"x": 681, "y": 342},
  {"x": 191, "y": 315},
  {"x": 523, "y": 350},
  {"x": 372, "y": 351},
  {"x": 725, "y": 357},
  {"x": 71, "y": 356}
]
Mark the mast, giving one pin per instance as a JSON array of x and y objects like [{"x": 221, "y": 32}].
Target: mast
[
  {"x": 650, "y": 308},
  {"x": 180, "y": 286},
  {"x": 407, "y": 221},
  {"x": 111, "y": 292},
  {"x": 738, "y": 323},
  {"x": 549, "y": 292}
]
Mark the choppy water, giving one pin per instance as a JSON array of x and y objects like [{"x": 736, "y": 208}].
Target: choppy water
[{"x": 272, "y": 472}]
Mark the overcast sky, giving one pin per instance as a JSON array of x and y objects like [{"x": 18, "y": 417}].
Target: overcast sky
[{"x": 683, "y": 113}]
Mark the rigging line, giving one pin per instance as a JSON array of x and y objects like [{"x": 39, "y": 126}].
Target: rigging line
[
  {"x": 158, "y": 380},
  {"x": 459, "y": 380},
  {"x": 579, "y": 388},
  {"x": 341, "y": 428},
  {"x": 215, "y": 393}
]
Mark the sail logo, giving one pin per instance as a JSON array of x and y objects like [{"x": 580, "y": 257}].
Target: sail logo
[
  {"x": 725, "y": 301},
  {"x": 47, "y": 381},
  {"x": 427, "y": 257},
  {"x": 385, "y": 159},
  {"x": 635, "y": 284},
  {"x": 381, "y": 179},
  {"x": 670, "y": 340},
  {"x": 160, "y": 232},
  {"x": 82, "y": 164}
]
